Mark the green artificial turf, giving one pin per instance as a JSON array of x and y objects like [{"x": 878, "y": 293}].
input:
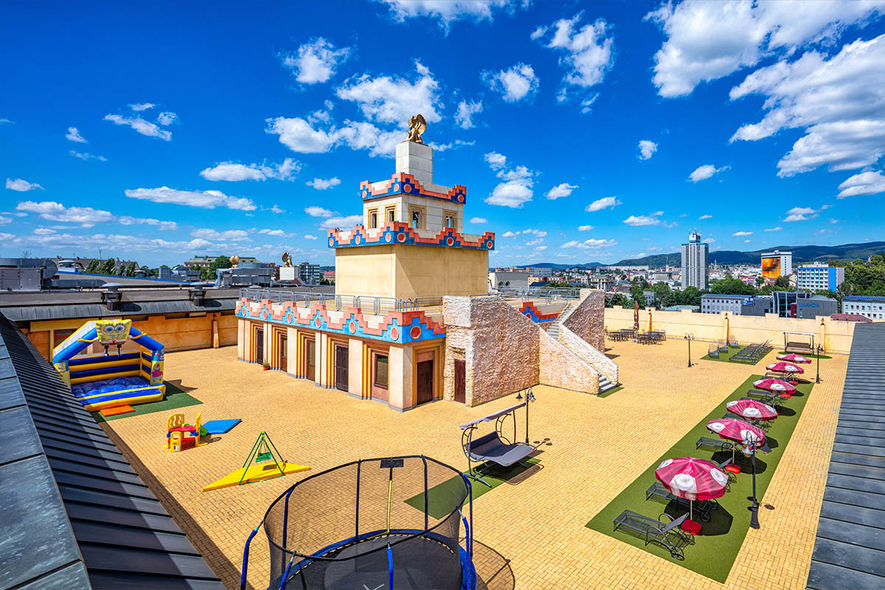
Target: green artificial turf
[
  {"x": 611, "y": 391},
  {"x": 719, "y": 541},
  {"x": 439, "y": 504},
  {"x": 724, "y": 356},
  {"x": 175, "y": 398},
  {"x": 809, "y": 356}
]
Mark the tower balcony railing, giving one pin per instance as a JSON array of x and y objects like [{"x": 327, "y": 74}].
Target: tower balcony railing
[
  {"x": 551, "y": 294},
  {"x": 367, "y": 303}
]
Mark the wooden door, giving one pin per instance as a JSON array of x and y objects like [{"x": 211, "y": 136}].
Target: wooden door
[
  {"x": 259, "y": 345},
  {"x": 379, "y": 376},
  {"x": 284, "y": 353},
  {"x": 460, "y": 381},
  {"x": 341, "y": 362},
  {"x": 310, "y": 358},
  {"x": 424, "y": 382}
]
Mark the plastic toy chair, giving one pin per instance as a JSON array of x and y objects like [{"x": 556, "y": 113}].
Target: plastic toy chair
[
  {"x": 175, "y": 439},
  {"x": 174, "y": 421}
]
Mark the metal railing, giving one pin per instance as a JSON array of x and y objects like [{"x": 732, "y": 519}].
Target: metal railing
[
  {"x": 552, "y": 294},
  {"x": 367, "y": 303}
]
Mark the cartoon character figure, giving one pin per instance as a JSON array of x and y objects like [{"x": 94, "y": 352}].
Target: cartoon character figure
[{"x": 112, "y": 331}]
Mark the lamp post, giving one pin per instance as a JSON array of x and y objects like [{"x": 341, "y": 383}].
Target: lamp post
[
  {"x": 754, "y": 507},
  {"x": 689, "y": 338},
  {"x": 817, "y": 375}
]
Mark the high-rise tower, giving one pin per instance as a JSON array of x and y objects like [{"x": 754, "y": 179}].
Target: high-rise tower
[{"x": 695, "y": 260}]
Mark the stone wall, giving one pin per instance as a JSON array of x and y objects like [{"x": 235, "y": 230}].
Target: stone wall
[
  {"x": 589, "y": 355},
  {"x": 587, "y": 319},
  {"x": 561, "y": 367}
]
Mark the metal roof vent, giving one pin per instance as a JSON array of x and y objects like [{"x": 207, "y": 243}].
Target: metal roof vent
[
  {"x": 198, "y": 294},
  {"x": 111, "y": 297}
]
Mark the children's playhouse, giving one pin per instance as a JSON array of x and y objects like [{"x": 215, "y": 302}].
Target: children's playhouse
[{"x": 111, "y": 378}]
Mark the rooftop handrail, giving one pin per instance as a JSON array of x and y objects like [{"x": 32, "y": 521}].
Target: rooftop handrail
[{"x": 368, "y": 303}]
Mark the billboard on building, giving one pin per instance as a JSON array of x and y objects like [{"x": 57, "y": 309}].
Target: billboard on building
[{"x": 771, "y": 267}]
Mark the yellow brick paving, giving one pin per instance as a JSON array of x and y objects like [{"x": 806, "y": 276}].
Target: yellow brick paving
[{"x": 531, "y": 531}]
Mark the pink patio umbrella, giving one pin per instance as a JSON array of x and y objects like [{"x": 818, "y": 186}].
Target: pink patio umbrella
[
  {"x": 737, "y": 431},
  {"x": 692, "y": 479},
  {"x": 750, "y": 409},
  {"x": 794, "y": 358},
  {"x": 775, "y": 385},
  {"x": 782, "y": 367}
]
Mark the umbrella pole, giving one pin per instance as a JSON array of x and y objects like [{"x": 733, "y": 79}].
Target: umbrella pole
[{"x": 690, "y": 507}]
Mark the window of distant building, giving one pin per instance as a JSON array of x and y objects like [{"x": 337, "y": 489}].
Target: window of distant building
[{"x": 416, "y": 217}]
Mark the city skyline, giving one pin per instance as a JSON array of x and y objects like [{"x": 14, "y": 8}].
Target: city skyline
[{"x": 603, "y": 132}]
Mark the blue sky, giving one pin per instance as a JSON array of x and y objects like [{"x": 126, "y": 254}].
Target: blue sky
[{"x": 583, "y": 131}]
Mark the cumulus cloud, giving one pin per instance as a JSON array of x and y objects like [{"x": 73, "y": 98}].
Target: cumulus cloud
[
  {"x": 516, "y": 188},
  {"x": 203, "y": 199},
  {"x": 52, "y": 211},
  {"x": 142, "y": 125},
  {"x": 74, "y": 135},
  {"x": 87, "y": 156},
  {"x": 5, "y": 220},
  {"x": 449, "y": 11},
  {"x": 315, "y": 211},
  {"x": 704, "y": 172},
  {"x": 235, "y": 172},
  {"x": 478, "y": 220},
  {"x": 585, "y": 227},
  {"x": 702, "y": 217},
  {"x": 142, "y": 106},
  {"x": 774, "y": 229},
  {"x": 603, "y": 203},
  {"x": 591, "y": 244},
  {"x": 465, "y": 112},
  {"x": 310, "y": 237},
  {"x": 801, "y": 214},
  {"x": 830, "y": 99},
  {"x": 212, "y": 234},
  {"x": 391, "y": 99},
  {"x": 561, "y": 190},
  {"x": 21, "y": 185},
  {"x": 315, "y": 61},
  {"x": 647, "y": 149},
  {"x": 514, "y": 84},
  {"x": 495, "y": 160},
  {"x": 339, "y": 221},
  {"x": 742, "y": 233},
  {"x": 650, "y": 219},
  {"x": 322, "y": 184},
  {"x": 865, "y": 183},
  {"x": 300, "y": 136},
  {"x": 709, "y": 40},
  {"x": 586, "y": 54},
  {"x": 160, "y": 225}
]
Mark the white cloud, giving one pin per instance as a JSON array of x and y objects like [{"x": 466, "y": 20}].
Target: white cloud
[
  {"x": 87, "y": 156},
  {"x": 298, "y": 135},
  {"x": 315, "y": 61},
  {"x": 6, "y": 122},
  {"x": 738, "y": 234},
  {"x": 478, "y": 220},
  {"x": 800, "y": 214},
  {"x": 141, "y": 126},
  {"x": 277, "y": 210},
  {"x": 212, "y": 234},
  {"x": 591, "y": 244},
  {"x": 513, "y": 84},
  {"x": 702, "y": 217},
  {"x": 142, "y": 106},
  {"x": 647, "y": 149},
  {"x": 236, "y": 172},
  {"x": 310, "y": 237},
  {"x": 166, "y": 118},
  {"x": 322, "y": 184},
  {"x": 865, "y": 183},
  {"x": 650, "y": 219},
  {"x": 448, "y": 11},
  {"x": 585, "y": 227},
  {"x": 535, "y": 242},
  {"x": 516, "y": 190},
  {"x": 74, "y": 135},
  {"x": 277, "y": 233},
  {"x": 704, "y": 172},
  {"x": 318, "y": 212},
  {"x": 21, "y": 185},
  {"x": 5, "y": 220},
  {"x": 160, "y": 225},
  {"x": 393, "y": 99},
  {"x": 52, "y": 211},
  {"x": 603, "y": 203},
  {"x": 203, "y": 199},
  {"x": 441, "y": 147},
  {"x": 365, "y": 136},
  {"x": 465, "y": 112},
  {"x": 831, "y": 100},
  {"x": 774, "y": 228},
  {"x": 587, "y": 54},
  {"x": 338, "y": 222},
  {"x": 561, "y": 190},
  {"x": 709, "y": 40}
]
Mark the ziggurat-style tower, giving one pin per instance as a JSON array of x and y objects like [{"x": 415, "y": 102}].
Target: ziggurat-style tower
[{"x": 411, "y": 242}]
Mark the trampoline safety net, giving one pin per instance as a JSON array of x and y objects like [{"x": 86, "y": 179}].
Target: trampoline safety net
[{"x": 374, "y": 523}]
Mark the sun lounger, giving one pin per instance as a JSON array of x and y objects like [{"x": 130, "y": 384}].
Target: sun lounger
[
  {"x": 491, "y": 447},
  {"x": 667, "y": 534},
  {"x": 702, "y": 508},
  {"x": 715, "y": 444}
]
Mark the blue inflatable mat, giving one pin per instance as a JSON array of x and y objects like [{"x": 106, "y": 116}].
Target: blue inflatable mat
[{"x": 220, "y": 426}]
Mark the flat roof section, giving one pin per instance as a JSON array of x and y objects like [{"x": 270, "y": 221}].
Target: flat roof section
[
  {"x": 850, "y": 548},
  {"x": 75, "y": 514}
]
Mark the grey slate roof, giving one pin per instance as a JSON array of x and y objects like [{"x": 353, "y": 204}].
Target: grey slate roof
[
  {"x": 850, "y": 548},
  {"x": 74, "y": 513},
  {"x": 27, "y": 313}
]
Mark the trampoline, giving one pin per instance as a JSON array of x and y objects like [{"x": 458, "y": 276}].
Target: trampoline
[{"x": 390, "y": 523}]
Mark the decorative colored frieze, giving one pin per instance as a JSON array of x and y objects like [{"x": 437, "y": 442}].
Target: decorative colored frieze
[
  {"x": 399, "y": 327},
  {"x": 402, "y": 183},
  {"x": 397, "y": 232},
  {"x": 529, "y": 310}
]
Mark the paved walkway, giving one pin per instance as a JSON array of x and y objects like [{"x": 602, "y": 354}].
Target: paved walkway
[{"x": 529, "y": 533}]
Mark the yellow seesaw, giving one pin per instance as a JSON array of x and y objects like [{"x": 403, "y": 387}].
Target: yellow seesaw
[{"x": 264, "y": 462}]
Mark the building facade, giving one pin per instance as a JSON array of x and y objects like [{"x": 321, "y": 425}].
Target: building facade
[
  {"x": 777, "y": 264},
  {"x": 695, "y": 262},
  {"x": 509, "y": 280},
  {"x": 310, "y": 274},
  {"x": 813, "y": 277},
  {"x": 816, "y": 306},
  {"x": 785, "y": 302},
  {"x": 869, "y": 306}
]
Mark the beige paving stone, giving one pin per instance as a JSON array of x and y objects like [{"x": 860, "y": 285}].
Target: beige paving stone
[{"x": 530, "y": 533}]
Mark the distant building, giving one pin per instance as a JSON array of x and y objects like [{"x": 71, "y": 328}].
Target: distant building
[
  {"x": 329, "y": 275},
  {"x": 815, "y": 306},
  {"x": 869, "y": 306},
  {"x": 693, "y": 308},
  {"x": 659, "y": 276},
  {"x": 819, "y": 276},
  {"x": 310, "y": 274},
  {"x": 183, "y": 273},
  {"x": 602, "y": 282},
  {"x": 695, "y": 265},
  {"x": 205, "y": 261},
  {"x": 785, "y": 302},
  {"x": 849, "y": 317},
  {"x": 736, "y": 304},
  {"x": 509, "y": 280},
  {"x": 777, "y": 264}
]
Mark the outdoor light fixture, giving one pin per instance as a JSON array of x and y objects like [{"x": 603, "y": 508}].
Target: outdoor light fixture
[
  {"x": 529, "y": 397},
  {"x": 754, "y": 507},
  {"x": 689, "y": 338},
  {"x": 817, "y": 376}
]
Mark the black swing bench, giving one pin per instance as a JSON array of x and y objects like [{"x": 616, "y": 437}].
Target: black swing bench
[{"x": 494, "y": 447}]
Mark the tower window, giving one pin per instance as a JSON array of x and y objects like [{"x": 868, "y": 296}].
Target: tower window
[{"x": 373, "y": 219}]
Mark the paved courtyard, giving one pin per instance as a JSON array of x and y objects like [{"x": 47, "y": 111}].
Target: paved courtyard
[{"x": 530, "y": 532}]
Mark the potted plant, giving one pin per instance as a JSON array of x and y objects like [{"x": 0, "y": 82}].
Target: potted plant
[{"x": 266, "y": 366}]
